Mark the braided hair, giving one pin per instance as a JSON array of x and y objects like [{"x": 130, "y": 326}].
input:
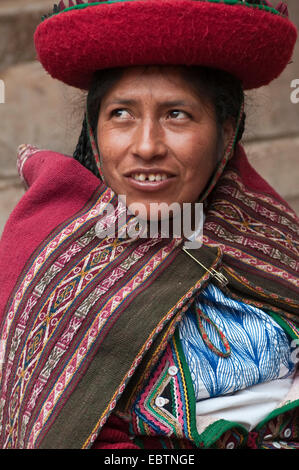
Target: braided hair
[
  {"x": 83, "y": 152},
  {"x": 222, "y": 89}
]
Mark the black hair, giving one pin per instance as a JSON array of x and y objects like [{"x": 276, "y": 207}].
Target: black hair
[{"x": 220, "y": 88}]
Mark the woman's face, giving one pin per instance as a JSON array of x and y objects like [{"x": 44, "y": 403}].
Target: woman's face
[{"x": 157, "y": 138}]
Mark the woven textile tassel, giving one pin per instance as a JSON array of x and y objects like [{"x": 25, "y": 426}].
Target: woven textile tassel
[
  {"x": 61, "y": 5},
  {"x": 201, "y": 315},
  {"x": 283, "y": 9}
]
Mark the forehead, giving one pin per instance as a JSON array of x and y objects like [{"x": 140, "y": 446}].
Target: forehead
[{"x": 153, "y": 81}]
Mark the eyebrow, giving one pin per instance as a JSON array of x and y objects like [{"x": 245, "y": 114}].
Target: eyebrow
[{"x": 169, "y": 103}]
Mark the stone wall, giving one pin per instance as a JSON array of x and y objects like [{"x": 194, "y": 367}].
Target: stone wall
[
  {"x": 41, "y": 111},
  {"x": 272, "y": 137}
]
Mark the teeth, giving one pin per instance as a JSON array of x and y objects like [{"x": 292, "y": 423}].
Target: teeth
[{"x": 150, "y": 177}]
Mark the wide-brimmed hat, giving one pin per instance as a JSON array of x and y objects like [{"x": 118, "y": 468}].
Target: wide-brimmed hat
[{"x": 252, "y": 41}]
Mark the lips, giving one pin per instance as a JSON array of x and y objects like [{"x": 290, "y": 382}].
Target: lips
[{"x": 149, "y": 179}]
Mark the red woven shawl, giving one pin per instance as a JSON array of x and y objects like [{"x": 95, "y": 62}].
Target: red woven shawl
[{"x": 63, "y": 293}]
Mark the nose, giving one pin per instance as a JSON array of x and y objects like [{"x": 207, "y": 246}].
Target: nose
[{"x": 149, "y": 140}]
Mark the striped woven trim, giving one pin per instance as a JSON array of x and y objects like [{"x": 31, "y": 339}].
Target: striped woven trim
[{"x": 62, "y": 8}]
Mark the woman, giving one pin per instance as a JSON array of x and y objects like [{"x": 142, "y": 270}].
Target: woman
[{"x": 130, "y": 341}]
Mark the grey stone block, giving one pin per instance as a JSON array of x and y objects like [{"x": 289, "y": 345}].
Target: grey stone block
[
  {"x": 270, "y": 110},
  {"x": 39, "y": 111},
  {"x": 10, "y": 194},
  {"x": 18, "y": 21},
  {"x": 277, "y": 161}
]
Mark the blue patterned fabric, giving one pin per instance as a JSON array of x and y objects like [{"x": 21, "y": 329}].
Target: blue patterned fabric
[{"x": 260, "y": 349}]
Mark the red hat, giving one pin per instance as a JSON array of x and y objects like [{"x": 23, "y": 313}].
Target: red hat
[{"x": 253, "y": 41}]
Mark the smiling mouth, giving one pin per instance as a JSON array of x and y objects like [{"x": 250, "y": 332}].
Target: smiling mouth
[{"x": 150, "y": 177}]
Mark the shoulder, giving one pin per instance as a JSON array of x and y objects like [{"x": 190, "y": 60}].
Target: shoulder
[
  {"x": 34, "y": 164},
  {"x": 53, "y": 178},
  {"x": 56, "y": 184},
  {"x": 57, "y": 188}
]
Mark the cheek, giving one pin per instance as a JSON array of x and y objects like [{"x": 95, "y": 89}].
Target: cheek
[
  {"x": 199, "y": 163},
  {"x": 200, "y": 154},
  {"x": 109, "y": 148},
  {"x": 112, "y": 142}
]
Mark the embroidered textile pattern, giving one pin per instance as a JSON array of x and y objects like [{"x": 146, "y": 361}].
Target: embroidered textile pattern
[
  {"x": 243, "y": 228},
  {"x": 260, "y": 349},
  {"x": 281, "y": 432},
  {"x": 24, "y": 152},
  {"x": 180, "y": 307},
  {"x": 165, "y": 407},
  {"x": 75, "y": 286},
  {"x": 66, "y": 303},
  {"x": 258, "y": 234}
]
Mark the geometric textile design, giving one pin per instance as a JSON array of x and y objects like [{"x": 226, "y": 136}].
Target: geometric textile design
[
  {"x": 61, "y": 312},
  {"x": 254, "y": 228},
  {"x": 76, "y": 286},
  {"x": 165, "y": 406}
]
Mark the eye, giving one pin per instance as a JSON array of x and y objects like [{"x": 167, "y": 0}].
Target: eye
[
  {"x": 178, "y": 114},
  {"x": 120, "y": 113}
]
